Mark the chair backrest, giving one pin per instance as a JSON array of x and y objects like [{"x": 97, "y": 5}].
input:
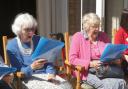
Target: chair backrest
[
  {"x": 67, "y": 44},
  {"x": 6, "y": 60},
  {"x": 67, "y": 47}
]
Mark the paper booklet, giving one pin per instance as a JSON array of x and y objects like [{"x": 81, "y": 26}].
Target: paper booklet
[
  {"x": 113, "y": 52},
  {"x": 48, "y": 49}
]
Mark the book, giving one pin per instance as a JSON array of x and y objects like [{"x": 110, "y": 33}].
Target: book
[
  {"x": 113, "y": 52},
  {"x": 48, "y": 49}
]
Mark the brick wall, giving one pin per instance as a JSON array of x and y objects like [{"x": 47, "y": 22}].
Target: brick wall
[{"x": 74, "y": 16}]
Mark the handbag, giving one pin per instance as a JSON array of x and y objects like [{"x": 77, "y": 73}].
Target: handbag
[{"x": 108, "y": 71}]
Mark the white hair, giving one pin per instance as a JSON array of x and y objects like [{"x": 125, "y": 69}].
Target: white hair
[
  {"x": 90, "y": 19},
  {"x": 23, "y": 19}
]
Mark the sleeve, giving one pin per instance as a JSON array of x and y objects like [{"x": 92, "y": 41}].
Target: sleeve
[
  {"x": 75, "y": 51},
  {"x": 118, "y": 38},
  {"x": 16, "y": 61}
]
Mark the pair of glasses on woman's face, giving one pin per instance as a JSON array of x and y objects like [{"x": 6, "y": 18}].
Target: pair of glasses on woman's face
[
  {"x": 29, "y": 29},
  {"x": 94, "y": 26}
]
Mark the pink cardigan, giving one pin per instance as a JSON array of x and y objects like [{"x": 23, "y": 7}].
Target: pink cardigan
[{"x": 80, "y": 50}]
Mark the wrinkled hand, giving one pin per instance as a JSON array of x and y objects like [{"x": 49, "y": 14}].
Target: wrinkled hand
[
  {"x": 8, "y": 78},
  {"x": 95, "y": 63},
  {"x": 38, "y": 64}
]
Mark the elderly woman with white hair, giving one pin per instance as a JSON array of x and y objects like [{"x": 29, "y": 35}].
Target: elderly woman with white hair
[
  {"x": 86, "y": 48},
  {"x": 20, "y": 51}
]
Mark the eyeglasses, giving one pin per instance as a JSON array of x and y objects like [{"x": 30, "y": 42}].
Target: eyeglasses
[
  {"x": 95, "y": 26},
  {"x": 29, "y": 29}
]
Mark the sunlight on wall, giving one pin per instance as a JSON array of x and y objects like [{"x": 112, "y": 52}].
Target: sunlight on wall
[{"x": 115, "y": 26}]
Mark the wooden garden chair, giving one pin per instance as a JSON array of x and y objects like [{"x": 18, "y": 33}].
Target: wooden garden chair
[
  {"x": 69, "y": 67},
  {"x": 18, "y": 75}
]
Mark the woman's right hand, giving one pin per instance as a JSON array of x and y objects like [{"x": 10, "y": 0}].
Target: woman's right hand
[
  {"x": 38, "y": 64},
  {"x": 95, "y": 63}
]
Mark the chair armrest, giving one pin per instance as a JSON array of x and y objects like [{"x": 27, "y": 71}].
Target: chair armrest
[
  {"x": 59, "y": 68},
  {"x": 19, "y": 74},
  {"x": 67, "y": 63},
  {"x": 78, "y": 67}
]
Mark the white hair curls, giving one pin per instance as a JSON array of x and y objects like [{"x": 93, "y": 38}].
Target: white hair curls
[
  {"x": 90, "y": 19},
  {"x": 23, "y": 19}
]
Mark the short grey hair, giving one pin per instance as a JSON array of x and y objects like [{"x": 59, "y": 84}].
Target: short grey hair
[
  {"x": 90, "y": 19},
  {"x": 23, "y": 19}
]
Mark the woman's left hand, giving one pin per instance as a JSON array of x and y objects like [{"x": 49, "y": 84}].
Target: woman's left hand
[
  {"x": 38, "y": 64},
  {"x": 95, "y": 63}
]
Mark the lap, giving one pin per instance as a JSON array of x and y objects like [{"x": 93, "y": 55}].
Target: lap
[
  {"x": 86, "y": 86},
  {"x": 39, "y": 81},
  {"x": 114, "y": 83},
  {"x": 107, "y": 83}
]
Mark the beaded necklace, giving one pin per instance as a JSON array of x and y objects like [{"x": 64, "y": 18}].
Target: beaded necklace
[{"x": 25, "y": 51}]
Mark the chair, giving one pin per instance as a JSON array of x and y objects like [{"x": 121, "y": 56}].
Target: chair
[
  {"x": 18, "y": 75},
  {"x": 57, "y": 66},
  {"x": 61, "y": 68},
  {"x": 69, "y": 67}
]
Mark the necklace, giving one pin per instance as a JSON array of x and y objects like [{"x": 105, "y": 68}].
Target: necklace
[{"x": 25, "y": 51}]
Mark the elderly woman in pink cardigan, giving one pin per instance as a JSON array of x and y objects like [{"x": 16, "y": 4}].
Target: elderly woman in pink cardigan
[{"x": 86, "y": 49}]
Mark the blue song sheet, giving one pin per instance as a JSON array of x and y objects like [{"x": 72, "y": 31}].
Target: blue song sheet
[
  {"x": 47, "y": 49},
  {"x": 113, "y": 52}
]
